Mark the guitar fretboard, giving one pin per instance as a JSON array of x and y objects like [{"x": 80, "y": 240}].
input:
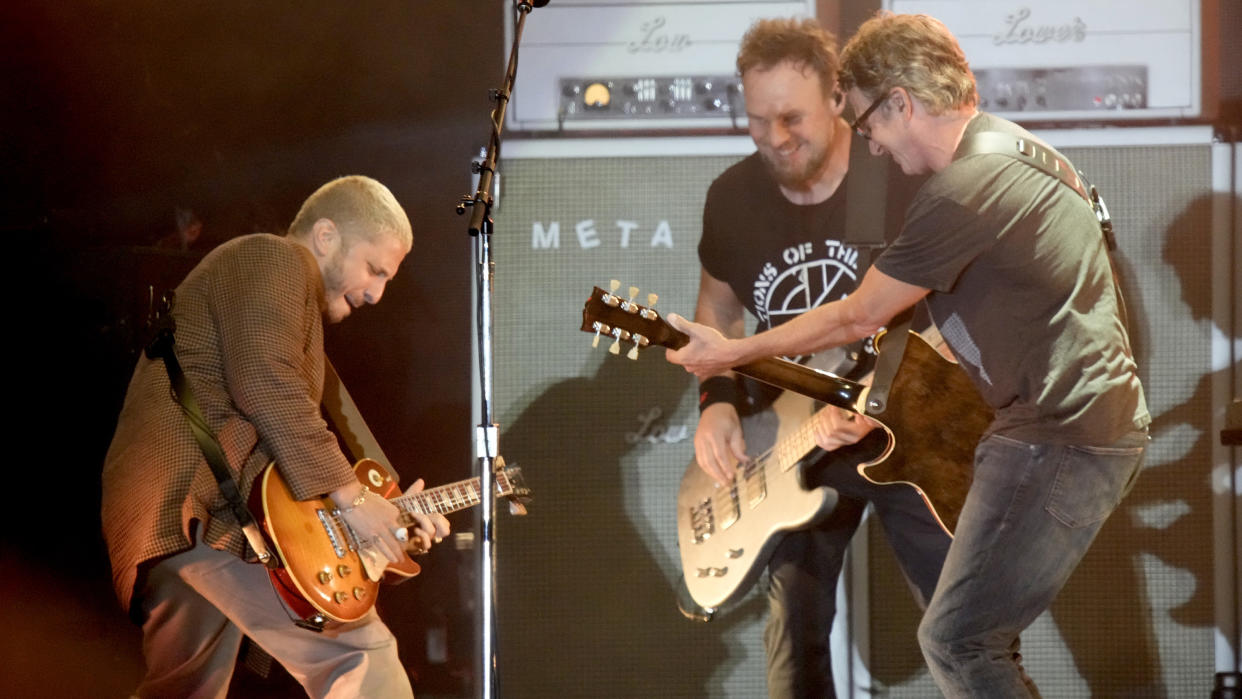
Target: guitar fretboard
[
  {"x": 796, "y": 445},
  {"x": 450, "y": 497}
]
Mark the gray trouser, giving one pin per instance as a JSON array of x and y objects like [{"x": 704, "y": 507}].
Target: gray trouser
[{"x": 198, "y": 605}]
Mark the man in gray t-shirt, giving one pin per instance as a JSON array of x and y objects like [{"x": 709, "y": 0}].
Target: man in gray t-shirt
[{"x": 1014, "y": 269}]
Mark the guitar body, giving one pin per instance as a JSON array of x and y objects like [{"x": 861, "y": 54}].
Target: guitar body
[
  {"x": 726, "y": 535},
  {"x": 322, "y": 575},
  {"x": 925, "y": 441},
  {"x": 935, "y": 419},
  {"x": 322, "y": 572}
]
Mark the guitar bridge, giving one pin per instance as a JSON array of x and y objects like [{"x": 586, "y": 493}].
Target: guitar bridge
[
  {"x": 329, "y": 528},
  {"x": 702, "y": 522}
]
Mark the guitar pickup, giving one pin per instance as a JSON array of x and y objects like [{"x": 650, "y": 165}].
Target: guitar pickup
[
  {"x": 754, "y": 484},
  {"x": 732, "y": 511}
]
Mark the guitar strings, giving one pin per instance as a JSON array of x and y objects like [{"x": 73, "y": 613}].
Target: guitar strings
[{"x": 787, "y": 452}]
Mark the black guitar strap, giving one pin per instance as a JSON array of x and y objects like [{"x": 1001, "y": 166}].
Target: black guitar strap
[
  {"x": 866, "y": 192},
  {"x": 892, "y": 351},
  {"x": 162, "y": 346},
  {"x": 866, "y": 209}
]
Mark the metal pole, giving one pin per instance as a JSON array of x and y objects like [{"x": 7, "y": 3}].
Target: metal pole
[{"x": 486, "y": 433}]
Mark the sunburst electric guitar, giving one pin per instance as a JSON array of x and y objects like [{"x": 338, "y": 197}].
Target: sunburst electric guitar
[
  {"x": 324, "y": 574},
  {"x": 926, "y": 441}
]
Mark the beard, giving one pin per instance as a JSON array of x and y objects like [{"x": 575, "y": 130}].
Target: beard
[
  {"x": 792, "y": 173},
  {"x": 334, "y": 284},
  {"x": 334, "y": 273}
]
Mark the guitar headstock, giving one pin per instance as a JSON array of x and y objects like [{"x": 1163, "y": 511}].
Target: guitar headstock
[
  {"x": 511, "y": 486},
  {"x": 627, "y": 322}
]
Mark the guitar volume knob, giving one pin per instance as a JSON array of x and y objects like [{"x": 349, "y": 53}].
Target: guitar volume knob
[
  {"x": 343, "y": 570},
  {"x": 324, "y": 576},
  {"x": 340, "y": 597},
  {"x": 360, "y": 593}
]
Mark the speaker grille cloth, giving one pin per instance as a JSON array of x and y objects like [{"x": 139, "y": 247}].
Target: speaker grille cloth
[{"x": 585, "y": 582}]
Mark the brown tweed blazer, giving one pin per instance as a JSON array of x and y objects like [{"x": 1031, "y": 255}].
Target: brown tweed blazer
[{"x": 250, "y": 340}]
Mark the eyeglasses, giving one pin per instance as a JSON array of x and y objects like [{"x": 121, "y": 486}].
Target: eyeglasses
[{"x": 857, "y": 126}]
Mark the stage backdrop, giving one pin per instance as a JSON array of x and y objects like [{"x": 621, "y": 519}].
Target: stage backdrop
[{"x": 586, "y": 581}]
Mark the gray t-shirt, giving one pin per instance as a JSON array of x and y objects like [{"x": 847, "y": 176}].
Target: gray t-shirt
[{"x": 1023, "y": 293}]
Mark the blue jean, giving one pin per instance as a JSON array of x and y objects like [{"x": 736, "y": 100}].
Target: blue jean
[
  {"x": 805, "y": 567},
  {"x": 1031, "y": 514}
]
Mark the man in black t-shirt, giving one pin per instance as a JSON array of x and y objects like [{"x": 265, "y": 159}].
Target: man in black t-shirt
[{"x": 773, "y": 245}]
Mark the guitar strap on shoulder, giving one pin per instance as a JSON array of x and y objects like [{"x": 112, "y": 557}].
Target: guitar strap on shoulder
[
  {"x": 162, "y": 346},
  {"x": 1050, "y": 161},
  {"x": 866, "y": 209},
  {"x": 866, "y": 192}
]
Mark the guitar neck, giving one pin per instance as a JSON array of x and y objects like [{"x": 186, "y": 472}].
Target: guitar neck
[
  {"x": 447, "y": 498},
  {"x": 606, "y": 313},
  {"x": 792, "y": 376}
]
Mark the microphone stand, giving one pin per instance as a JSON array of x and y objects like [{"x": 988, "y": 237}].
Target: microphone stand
[{"x": 487, "y": 433}]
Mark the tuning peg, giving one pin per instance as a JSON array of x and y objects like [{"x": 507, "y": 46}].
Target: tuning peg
[
  {"x": 615, "y": 347},
  {"x": 628, "y": 305},
  {"x": 633, "y": 353},
  {"x": 599, "y": 328},
  {"x": 649, "y": 313},
  {"x": 614, "y": 285}
]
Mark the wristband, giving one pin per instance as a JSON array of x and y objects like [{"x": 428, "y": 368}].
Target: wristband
[{"x": 718, "y": 389}]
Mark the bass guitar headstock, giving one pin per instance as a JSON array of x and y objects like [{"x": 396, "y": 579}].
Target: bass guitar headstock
[{"x": 627, "y": 322}]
